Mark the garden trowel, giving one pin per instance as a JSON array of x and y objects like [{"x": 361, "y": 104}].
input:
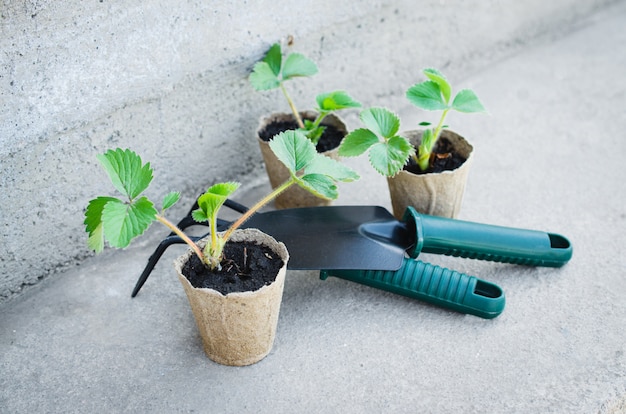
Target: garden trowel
[
  {"x": 369, "y": 237},
  {"x": 367, "y": 245}
]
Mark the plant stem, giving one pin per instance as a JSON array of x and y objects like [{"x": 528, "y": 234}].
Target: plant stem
[
  {"x": 213, "y": 227},
  {"x": 422, "y": 158},
  {"x": 439, "y": 126},
  {"x": 257, "y": 207},
  {"x": 296, "y": 114},
  {"x": 182, "y": 235},
  {"x": 319, "y": 119},
  {"x": 423, "y": 161}
]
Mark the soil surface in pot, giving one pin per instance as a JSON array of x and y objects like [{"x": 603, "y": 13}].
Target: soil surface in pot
[
  {"x": 443, "y": 158},
  {"x": 246, "y": 267},
  {"x": 330, "y": 139}
]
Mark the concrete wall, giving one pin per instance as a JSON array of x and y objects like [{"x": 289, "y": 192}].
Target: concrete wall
[{"x": 169, "y": 80}]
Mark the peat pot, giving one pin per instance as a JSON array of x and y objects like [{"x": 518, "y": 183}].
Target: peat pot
[
  {"x": 278, "y": 173},
  {"x": 437, "y": 194},
  {"x": 238, "y": 328}
]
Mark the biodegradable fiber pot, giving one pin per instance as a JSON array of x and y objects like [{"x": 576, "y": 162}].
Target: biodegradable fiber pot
[
  {"x": 437, "y": 194},
  {"x": 239, "y": 328},
  {"x": 278, "y": 173}
]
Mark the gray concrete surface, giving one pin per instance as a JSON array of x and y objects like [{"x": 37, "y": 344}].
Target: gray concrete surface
[
  {"x": 169, "y": 79},
  {"x": 548, "y": 157}
]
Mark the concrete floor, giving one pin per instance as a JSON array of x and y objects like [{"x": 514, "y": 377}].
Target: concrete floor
[{"x": 548, "y": 157}]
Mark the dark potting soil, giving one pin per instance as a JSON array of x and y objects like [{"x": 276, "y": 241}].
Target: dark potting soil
[
  {"x": 330, "y": 139},
  {"x": 443, "y": 158},
  {"x": 246, "y": 267}
]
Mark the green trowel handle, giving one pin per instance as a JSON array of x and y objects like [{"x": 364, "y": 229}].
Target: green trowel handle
[
  {"x": 434, "y": 284},
  {"x": 486, "y": 242}
]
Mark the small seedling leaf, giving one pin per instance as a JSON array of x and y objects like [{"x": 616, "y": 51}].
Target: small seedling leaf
[
  {"x": 334, "y": 101},
  {"x": 467, "y": 101},
  {"x": 298, "y": 65},
  {"x": 170, "y": 199},
  {"x": 381, "y": 121},
  {"x": 224, "y": 189},
  {"x": 426, "y": 95},
  {"x": 199, "y": 216},
  {"x": 126, "y": 171},
  {"x": 424, "y": 123},
  {"x": 213, "y": 199},
  {"x": 273, "y": 58},
  {"x": 357, "y": 142},
  {"x": 293, "y": 149},
  {"x": 437, "y": 77},
  {"x": 123, "y": 222},
  {"x": 263, "y": 78}
]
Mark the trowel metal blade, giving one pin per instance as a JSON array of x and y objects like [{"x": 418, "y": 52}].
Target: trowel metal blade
[{"x": 337, "y": 237}]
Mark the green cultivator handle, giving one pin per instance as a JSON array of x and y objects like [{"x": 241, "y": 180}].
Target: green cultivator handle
[
  {"x": 434, "y": 284},
  {"x": 486, "y": 242}
]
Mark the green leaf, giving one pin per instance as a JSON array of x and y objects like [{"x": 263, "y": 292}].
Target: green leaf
[
  {"x": 426, "y": 95},
  {"x": 273, "y": 58},
  {"x": 467, "y": 101},
  {"x": 126, "y": 171},
  {"x": 199, "y": 216},
  {"x": 424, "y": 123},
  {"x": 96, "y": 239},
  {"x": 170, "y": 199},
  {"x": 224, "y": 189},
  {"x": 437, "y": 77},
  {"x": 293, "y": 149},
  {"x": 320, "y": 172},
  {"x": 357, "y": 142},
  {"x": 123, "y": 222},
  {"x": 331, "y": 168},
  {"x": 308, "y": 125},
  {"x": 263, "y": 78},
  {"x": 320, "y": 185},
  {"x": 334, "y": 101},
  {"x": 389, "y": 158},
  {"x": 298, "y": 65},
  {"x": 401, "y": 146},
  {"x": 93, "y": 213},
  {"x": 381, "y": 121},
  {"x": 212, "y": 200},
  {"x": 93, "y": 222}
]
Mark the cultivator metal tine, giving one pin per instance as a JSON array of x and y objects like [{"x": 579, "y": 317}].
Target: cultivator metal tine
[
  {"x": 152, "y": 261},
  {"x": 172, "y": 238}
]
